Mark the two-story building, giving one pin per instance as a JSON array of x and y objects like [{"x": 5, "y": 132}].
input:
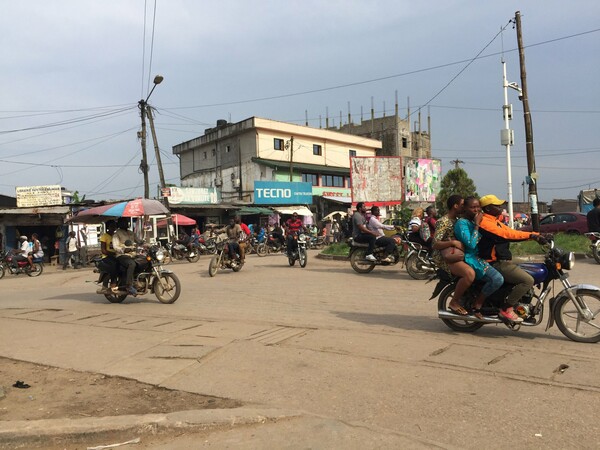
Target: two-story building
[{"x": 231, "y": 156}]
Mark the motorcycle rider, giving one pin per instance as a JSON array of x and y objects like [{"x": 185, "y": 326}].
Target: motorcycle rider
[
  {"x": 22, "y": 254},
  {"x": 360, "y": 232},
  {"x": 37, "y": 250},
  {"x": 593, "y": 216},
  {"x": 233, "y": 231},
  {"x": 277, "y": 234},
  {"x": 125, "y": 254},
  {"x": 382, "y": 240},
  {"x": 494, "y": 247},
  {"x": 109, "y": 263},
  {"x": 292, "y": 227},
  {"x": 243, "y": 238},
  {"x": 467, "y": 231}
]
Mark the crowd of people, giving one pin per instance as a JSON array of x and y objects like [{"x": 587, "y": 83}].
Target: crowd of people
[{"x": 471, "y": 242}]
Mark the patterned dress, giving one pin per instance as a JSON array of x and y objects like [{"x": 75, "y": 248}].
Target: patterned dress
[{"x": 444, "y": 231}]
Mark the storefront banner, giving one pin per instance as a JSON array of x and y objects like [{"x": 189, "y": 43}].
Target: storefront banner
[
  {"x": 192, "y": 196},
  {"x": 282, "y": 193},
  {"x": 32, "y": 196}
]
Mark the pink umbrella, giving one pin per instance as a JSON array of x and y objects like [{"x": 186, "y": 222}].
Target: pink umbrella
[{"x": 178, "y": 219}]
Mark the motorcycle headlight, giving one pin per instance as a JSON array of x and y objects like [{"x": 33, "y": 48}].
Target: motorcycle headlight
[
  {"x": 302, "y": 238},
  {"x": 160, "y": 255},
  {"x": 567, "y": 261}
]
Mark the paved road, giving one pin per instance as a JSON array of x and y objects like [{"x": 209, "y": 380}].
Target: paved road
[{"x": 365, "y": 350}]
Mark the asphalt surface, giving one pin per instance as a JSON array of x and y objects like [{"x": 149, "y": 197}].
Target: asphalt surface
[{"x": 321, "y": 357}]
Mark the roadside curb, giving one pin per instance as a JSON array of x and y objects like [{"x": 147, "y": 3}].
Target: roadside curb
[
  {"x": 332, "y": 257},
  {"x": 23, "y": 432}
]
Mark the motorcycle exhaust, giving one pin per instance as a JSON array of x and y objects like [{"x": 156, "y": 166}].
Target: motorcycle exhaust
[{"x": 453, "y": 316}]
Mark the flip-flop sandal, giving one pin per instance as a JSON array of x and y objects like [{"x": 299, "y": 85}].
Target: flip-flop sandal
[
  {"x": 459, "y": 310},
  {"x": 21, "y": 385},
  {"x": 477, "y": 313}
]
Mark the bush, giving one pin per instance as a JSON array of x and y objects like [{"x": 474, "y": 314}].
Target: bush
[
  {"x": 339, "y": 249},
  {"x": 568, "y": 242}
]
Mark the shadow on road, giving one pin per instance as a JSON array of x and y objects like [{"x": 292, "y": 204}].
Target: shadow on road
[{"x": 435, "y": 325}]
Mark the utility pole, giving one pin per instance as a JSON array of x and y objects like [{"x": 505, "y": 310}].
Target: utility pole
[
  {"x": 532, "y": 179},
  {"x": 291, "y": 145},
  {"x": 144, "y": 162},
  {"x": 507, "y": 139},
  {"x": 456, "y": 163},
  {"x": 156, "y": 149}
]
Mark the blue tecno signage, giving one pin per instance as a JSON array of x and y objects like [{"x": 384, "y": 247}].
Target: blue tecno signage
[{"x": 282, "y": 193}]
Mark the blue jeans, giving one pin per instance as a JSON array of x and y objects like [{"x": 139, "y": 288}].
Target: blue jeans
[{"x": 493, "y": 280}]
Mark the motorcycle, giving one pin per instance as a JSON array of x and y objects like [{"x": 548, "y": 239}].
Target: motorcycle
[
  {"x": 299, "y": 254},
  {"x": 317, "y": 242},
  {"x": 222, "y": 260},
  {"x": 575, "y": 309},
  {"x": 206, "y": 246},
  {"x": 180, "y": 252},
  {"x": 419, "y": 263},
  {"x": 358, "y": 251},
  {"x": 595, "y": 245},
  {"x": 9, "y": 263},
  {"x": 148, "y": 277},
  {"x": 270, "y": 245}
]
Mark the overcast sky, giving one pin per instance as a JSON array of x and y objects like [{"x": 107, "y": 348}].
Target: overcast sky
[{"x": 74, "y": 70}]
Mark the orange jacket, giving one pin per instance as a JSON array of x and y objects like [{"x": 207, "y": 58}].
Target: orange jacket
[{"x": 495, "y": 239}]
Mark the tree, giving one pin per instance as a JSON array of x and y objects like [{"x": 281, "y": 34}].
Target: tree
[{"x": 456, "y": 181}]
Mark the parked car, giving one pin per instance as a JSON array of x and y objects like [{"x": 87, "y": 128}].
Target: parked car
[{"x": 572, "y": 222}]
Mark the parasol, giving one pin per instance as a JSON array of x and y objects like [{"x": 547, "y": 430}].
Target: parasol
[
  {"x": 330, "y": 216},
  {"x": 178, "y": 219},
  {"x": 133, "y": 208}
]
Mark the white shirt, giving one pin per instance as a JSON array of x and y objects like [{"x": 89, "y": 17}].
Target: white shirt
[
  {"x": 376, "y": 226},
  {"x": 414, "y": 221},
  {"x": 25, "y": 248},
  {"x": 119, "y": 239}
]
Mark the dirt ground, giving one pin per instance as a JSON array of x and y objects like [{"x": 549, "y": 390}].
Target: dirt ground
[{"x": 57, "y": 393}]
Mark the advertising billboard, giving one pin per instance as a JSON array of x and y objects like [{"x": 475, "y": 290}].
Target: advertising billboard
[
  {"x": 33, "y": 196},
  {"x": 282, "y": 193},
  {"x": 376, "y": 179},
  {"x": 191, "y": 196},
  {"x": 422, "y": 179}
]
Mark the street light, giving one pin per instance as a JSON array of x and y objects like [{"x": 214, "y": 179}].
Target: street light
[{"x": 143, "y": 105}]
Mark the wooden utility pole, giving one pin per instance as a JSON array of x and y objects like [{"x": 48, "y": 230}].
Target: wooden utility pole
[
  {"x": 533, "y": 200},
  {"x": 144, "y": 162},
  {"x": 456, "y": 163}
]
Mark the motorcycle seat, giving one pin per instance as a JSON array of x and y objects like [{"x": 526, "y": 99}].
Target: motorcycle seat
[{"x": 359, "y": 244}]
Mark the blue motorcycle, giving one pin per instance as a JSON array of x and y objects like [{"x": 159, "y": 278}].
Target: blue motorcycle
[{"x": 575, "y": 309}]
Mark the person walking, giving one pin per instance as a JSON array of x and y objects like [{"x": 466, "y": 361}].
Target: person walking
[{"x": 72, "y": 249}]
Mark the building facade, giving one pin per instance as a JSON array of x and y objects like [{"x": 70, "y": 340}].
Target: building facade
[{"x": 231, "y": 156}]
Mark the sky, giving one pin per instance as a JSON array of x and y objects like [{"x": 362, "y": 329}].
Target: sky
[{"x": 73, "y": 72}]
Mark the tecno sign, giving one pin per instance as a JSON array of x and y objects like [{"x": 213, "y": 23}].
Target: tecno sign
[
  {"x": 282, "y": 193},
  {"x": 273, "y": 193}
]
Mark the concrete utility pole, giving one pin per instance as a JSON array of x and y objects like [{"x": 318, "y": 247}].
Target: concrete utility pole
[
  {"x": 507, "y": 138},
  {"x": 144, "y": 161},
  {"x": 156, "y": 149},
  {"x": 532, "y": 179}
]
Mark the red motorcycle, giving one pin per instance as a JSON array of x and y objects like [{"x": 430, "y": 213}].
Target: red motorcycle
[{"x": 13, "y": 265}]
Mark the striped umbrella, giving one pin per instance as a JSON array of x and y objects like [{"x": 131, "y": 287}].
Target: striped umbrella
[{"x": 133, "y": 208}]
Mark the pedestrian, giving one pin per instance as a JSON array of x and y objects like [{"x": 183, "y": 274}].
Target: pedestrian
[{"x": 72, "y": 250}]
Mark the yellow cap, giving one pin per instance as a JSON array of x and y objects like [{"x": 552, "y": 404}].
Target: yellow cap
[{"x": 491, "y": 199}]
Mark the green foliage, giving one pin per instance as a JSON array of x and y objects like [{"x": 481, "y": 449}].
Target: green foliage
[
  {"x": 568, "y": 242},
  {"x": 76, "y": 198},
  {"x": 456, "y": 181},
  {"x": 339, "y": 249},
  {"x": 404, "y": 214}
]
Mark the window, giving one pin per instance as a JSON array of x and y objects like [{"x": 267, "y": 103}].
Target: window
[
  {"x": 278, "y": 144},
  {"x": 348, "y": 182},
  {"x": 227, "y": 148},
  {"x": 317, "y": 150},
  {"x": 214, "y": 151},
  {"x": 205, "y": 156},
  {"x": 311, "y": 178},
  {"x": 352, "y": 153},
  {"x": 404, "y": 142},
  {"x": 332, "y": 180}
]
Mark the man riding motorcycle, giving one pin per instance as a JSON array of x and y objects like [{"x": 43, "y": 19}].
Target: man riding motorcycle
[
  {"x": 125, "y": 254},
  {"x": 382, "y": 240},
  {"x": 293, "y": 226}
]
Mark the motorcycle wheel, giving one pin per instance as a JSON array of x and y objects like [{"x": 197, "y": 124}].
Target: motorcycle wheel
[
  {"x": 178, "y": 255},
  {"x": 596, "y": 253},
  {"x": 358, "y": 261},
  {"x": 303, "y": 257},
  {"x": 261, "y": 250},
  {"x": 414, "y": 267},
  {"x": 167, "y": 288},
  {"x": 115, "y": 298},
  {"x": 291, "y": 260},
  {"x": 237, "y": 267},
  {"x": 457, "y": 325},
  {"x": 571, "y": 324},
  {"x": 2, "y": 271},
  {"x": 213, "y": 266},
  {"x": 194, "y": 258},
  {"x": 37, "y": 272},
  {"x": 211, "y": 248}
]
